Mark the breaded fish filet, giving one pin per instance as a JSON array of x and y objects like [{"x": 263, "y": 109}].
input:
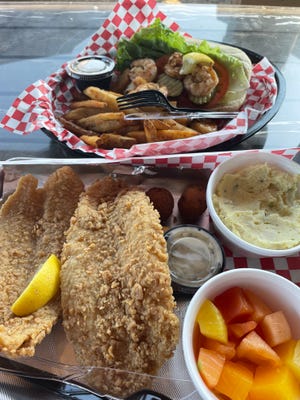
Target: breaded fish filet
[
  {"x": 118, "y": 307},
  {"x": 32, "y": 226}
]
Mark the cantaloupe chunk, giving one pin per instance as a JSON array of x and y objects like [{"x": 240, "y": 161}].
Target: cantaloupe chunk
[
  {"x": 275, "y": 328},
  {"x": 274, "y": 384},
  {"x": 240, "y": 329},
  {"x": 210, "y": 364},
  {"x": 233, "y": 305},
  {"x": 226, "y": 349},
  {"x": 235, "y": 381},
  {"x": 253, "y": 348},
  {"x": 260, "y": 308}
]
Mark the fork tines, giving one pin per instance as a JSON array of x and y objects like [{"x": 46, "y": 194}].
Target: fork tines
[
  {"x": 139, "y": 99},
  {"x": 137, "y": 103},
  {"x": 141, "y": 94}
]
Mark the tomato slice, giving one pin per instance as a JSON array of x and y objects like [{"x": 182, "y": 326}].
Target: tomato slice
[
  {"x": 222, "y": 86},
  {"x": 161, "y": 62}
]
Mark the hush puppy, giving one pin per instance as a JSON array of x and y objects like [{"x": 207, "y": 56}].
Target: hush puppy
[
  {"x": 192, "y": 203},
  {"x": 162, "y": 200}
]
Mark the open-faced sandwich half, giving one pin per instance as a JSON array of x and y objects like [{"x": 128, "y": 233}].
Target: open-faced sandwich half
[{"x": 194, "y": 72}]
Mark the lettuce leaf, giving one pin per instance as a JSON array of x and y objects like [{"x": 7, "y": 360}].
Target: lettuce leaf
[{"x": 152, "y": 41}]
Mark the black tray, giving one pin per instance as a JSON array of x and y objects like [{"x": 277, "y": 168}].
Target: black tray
[{"x": 229, "y": 144}]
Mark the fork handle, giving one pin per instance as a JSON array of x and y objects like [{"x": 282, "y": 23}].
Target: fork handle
[{"x": 177, "y": 115}]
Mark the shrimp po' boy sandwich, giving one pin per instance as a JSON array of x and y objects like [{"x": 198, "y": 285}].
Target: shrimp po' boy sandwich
[{"x": 195, "y": 73}]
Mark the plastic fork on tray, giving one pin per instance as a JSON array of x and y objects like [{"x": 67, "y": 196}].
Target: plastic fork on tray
[
  {"x": 67, "y": 387},
  {"x": 154, "y": 98}
]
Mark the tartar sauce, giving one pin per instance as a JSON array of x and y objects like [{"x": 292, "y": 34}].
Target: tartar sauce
[{"x": 195, "y": 255}]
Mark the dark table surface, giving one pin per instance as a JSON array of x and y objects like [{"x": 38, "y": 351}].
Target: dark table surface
[{"x": 37, "y": 38}]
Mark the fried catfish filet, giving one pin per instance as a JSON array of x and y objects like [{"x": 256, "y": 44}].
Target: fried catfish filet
[
  {"x": 32, "y": 225},
  {"x": 117, "y": 300}
]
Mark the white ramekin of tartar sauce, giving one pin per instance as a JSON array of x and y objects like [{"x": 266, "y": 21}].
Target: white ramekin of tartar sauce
[{"x": 195, "y": 255}]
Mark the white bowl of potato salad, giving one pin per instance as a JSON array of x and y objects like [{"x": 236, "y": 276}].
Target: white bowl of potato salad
[{"x": 254, "y": 203}]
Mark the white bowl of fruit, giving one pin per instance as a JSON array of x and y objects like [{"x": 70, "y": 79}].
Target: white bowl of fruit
[{"x": 241, "y": 337}]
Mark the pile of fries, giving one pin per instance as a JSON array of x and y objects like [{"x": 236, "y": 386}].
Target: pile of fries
[{"x": 96, "y": 119}]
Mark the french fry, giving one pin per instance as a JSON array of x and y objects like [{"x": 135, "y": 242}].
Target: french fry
[
  {"x": 174, "y": 134},
  {"x": 150, "y": 131},
  {"x": 78, "y": 113},
  {"x": 183, "y": 121},
  {"x": 171, "y": 130},
  {"x": 90, "y": 140},
  {"x": 109, "y": 141},
  {"x": 110, "y": 116},
  {"x": 139, "y": 136},
  {"x": 74, "y": 128},
  {"x": 128, "y": 128},
  {"x": 178, "y": 126},
  {"x": 96, "y": 93},
  {"x": 103, "y": 122},
  {"x": 164, "y": 123},
  {"x": 106, "y": 96},
  {"x": 88, "y": 104},
  {"x": 204, "y": 126}
]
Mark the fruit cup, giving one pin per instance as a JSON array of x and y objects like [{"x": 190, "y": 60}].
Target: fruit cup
[{"x": 278, "y": 293}]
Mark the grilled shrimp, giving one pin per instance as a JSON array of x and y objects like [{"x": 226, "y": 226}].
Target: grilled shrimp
[
  {"x": 150, "y": 86},
  {"x": 201, "y": 82},
  {"x": 139, "y": 84},
  {"x": 144, "y": 68},
  {"x": 173, "y": 66}
]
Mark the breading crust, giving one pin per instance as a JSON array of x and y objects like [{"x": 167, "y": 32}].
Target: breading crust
[
  {"x": 118, "y": 307},
  {"x": 32, "y": 225}
]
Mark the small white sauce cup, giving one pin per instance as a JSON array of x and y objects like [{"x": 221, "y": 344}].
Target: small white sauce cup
[
  {"x": 91, "y": 71},
  {"x": 195, "y": 255}
]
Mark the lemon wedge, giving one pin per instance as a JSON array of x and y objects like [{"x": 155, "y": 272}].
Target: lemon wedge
[
  {"x": 41, "y": 289},
  {"x": 190, "y": 60}
]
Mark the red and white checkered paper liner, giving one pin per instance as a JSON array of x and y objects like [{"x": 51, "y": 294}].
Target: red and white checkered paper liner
[{"x": 36, "y": 106}]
